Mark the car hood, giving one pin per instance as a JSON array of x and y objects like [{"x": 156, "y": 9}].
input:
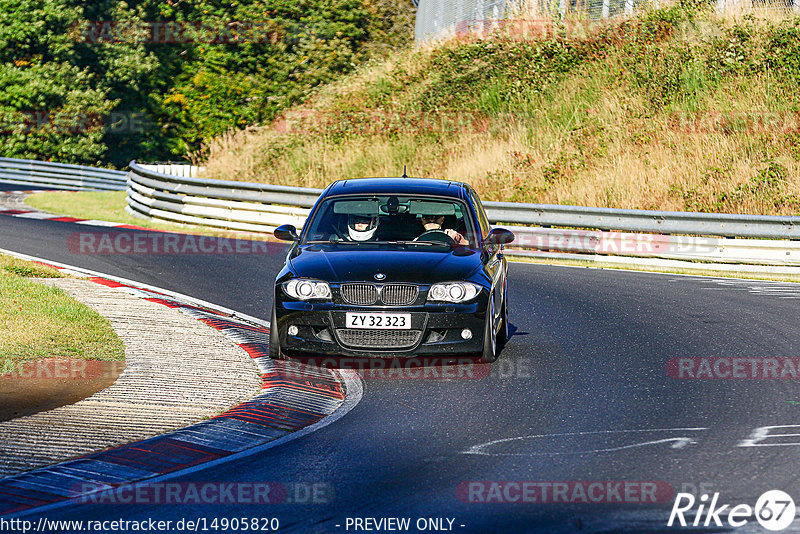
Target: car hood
[{"x": 400, "y": 263}]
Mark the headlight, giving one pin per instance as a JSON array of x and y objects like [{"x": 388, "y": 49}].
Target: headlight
[
  {"x": 453, "y": 292},
  {"x": 302, "y": 289}
]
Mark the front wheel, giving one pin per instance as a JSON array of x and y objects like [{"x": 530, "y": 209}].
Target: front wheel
[
  {"x": 505, "y": 332},
  {"x": 489, "y": 354}
]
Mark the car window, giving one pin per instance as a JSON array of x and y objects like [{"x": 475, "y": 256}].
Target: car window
[
  {"x": 389, "y": 218},
  {"x": 483, "y": 220}
]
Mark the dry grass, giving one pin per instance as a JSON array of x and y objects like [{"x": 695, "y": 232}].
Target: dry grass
[{"x": 590, "y": 140}]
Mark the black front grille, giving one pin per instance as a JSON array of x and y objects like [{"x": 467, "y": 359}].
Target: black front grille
[
  {"x": 360, "y": 294},
  {"x": 365, "y": 294},
  {"x": 399, "y": 294},
  {"x": 373, "y": 339}
]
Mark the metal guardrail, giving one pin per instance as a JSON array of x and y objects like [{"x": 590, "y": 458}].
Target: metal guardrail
[
  {"x": 657, "y": 234},
  {"x": 245, "y": 206},
  {"x": 662, "y": 222},
  {"x": 534, "y": 241},
  {"x": 174, "y": 169},
  {"x": 60, "y": 175},
  {"x": 238, "y": 201},
  {"x": 220, "y": 203}
]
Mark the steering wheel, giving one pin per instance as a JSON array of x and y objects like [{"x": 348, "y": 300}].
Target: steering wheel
[
  {"x": 435, "y": 235},
  {"x": 338, "y": 235}
]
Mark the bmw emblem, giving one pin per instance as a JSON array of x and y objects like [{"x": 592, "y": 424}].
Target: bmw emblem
[{"x": 380, "y": 276}]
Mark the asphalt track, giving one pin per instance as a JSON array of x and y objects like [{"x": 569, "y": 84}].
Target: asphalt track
[
  {"x": 20, "y": 187},
  {"x": 582, "y": 385}
]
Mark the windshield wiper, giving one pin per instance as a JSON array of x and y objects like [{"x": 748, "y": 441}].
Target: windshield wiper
[{"x": 440, "y": 243}]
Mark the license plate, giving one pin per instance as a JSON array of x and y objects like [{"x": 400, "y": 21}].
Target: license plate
[{"x": 388, "y": 321}]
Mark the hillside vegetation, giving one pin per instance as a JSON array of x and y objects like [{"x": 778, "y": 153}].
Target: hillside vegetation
[
  {"x": 678, "y": 109},
  {"x": 106, "y": 82}
]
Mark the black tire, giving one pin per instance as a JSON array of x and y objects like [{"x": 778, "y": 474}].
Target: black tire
[
  {"x": 490, "y": 350},
  {"x": 274, "y": 341},
  {"x": 505, "y": 332}
]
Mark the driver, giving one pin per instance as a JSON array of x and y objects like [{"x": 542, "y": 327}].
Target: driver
[
  {"x": 434, "y": 222},
  {"x": 361, "y": 227}
]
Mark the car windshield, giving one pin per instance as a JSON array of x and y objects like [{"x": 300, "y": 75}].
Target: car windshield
[{"x": 391, "y": 219}]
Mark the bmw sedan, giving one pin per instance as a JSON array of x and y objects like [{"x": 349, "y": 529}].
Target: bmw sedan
[{"x": 392, "y": 267}]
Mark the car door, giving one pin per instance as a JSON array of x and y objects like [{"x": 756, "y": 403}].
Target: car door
[{"x": 495, "y": 262}]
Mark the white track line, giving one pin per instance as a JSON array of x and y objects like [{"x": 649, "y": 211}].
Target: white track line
[
  {"x": 354, "y": 390},
  {"x": 167, "y": 292}
]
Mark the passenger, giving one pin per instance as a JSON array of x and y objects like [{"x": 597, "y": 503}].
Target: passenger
[{"x": 434, "y": 222}]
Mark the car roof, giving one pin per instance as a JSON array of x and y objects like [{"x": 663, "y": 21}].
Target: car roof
[{"x": 398, "y": 186}]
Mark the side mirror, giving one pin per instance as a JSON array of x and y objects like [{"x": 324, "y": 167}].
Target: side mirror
[
  {"x": 499, "y": 236},
  {"x": 286, "y": 232}
]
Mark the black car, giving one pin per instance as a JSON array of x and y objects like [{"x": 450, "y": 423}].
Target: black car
[{"x": 392, "y": 267}]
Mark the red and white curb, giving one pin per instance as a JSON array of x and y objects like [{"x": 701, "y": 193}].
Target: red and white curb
[
  {"x": 296, "y": 400},
  {"x": 44, "y": 216}
]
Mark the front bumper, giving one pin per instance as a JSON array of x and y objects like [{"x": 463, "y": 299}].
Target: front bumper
[{"x": 435, "y": 329}]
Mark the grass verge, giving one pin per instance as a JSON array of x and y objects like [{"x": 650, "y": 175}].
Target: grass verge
[{"x": 39, "y": 321}]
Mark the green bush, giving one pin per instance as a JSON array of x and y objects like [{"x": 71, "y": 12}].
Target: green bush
[
  {"x": 52, "y": 111},
  {"x": 56, "y": 62},
  {"x": 783, "y": 55}
]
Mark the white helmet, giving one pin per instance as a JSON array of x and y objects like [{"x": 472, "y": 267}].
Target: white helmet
[{"x": 361, "y": 227}]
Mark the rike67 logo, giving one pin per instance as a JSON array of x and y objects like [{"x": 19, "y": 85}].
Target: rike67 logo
[{"x": 774, "y": 510}]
